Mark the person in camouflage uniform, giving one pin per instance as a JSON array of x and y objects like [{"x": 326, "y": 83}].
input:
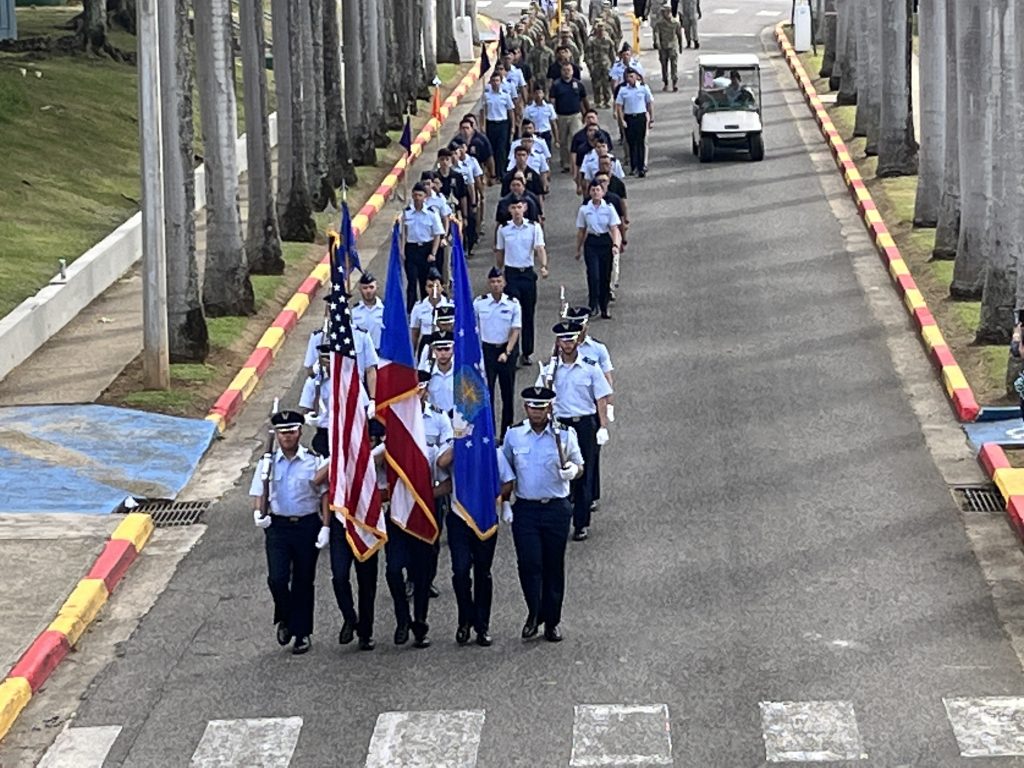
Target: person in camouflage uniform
[
  {"x": 600, "y": 56},
  {"x": 565, "y": 39},
  {"x": 668, "y": 39},
  {"x": 540, "y": 58},
  {"x": 578, "y": 24},
  {"x": 613, "y": 26},
  {"x": 689, "y": 13}
]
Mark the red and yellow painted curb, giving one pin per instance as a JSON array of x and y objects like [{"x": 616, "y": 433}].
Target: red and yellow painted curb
[
  {"x": 76, "y": 614},
  {"x": 230, "y": 403},
  {"x": 957, "y": 389},
  {"x": 1010, "y": 482}
]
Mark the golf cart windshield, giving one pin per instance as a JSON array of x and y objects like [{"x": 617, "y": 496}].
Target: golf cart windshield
[{"x": 735, "y": 88}]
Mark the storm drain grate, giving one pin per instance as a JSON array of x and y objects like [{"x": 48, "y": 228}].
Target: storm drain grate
[
  {"x": 978, "y": 498},
  {"x": 172, "y": 514}
]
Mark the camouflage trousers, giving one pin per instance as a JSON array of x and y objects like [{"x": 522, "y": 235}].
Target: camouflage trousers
[
  {"x": 669, "y": 58},
  {"x": 602, "y": 85}
]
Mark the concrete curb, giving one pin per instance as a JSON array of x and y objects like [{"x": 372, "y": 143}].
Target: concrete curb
[
  {"x": 230, "y": 403},
  {"x": 80, "y": 609},
  {"x": 960, "y": 395},
  {"x": 1010, "y": 482}
]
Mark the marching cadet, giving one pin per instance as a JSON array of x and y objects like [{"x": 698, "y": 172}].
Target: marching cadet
[
  {"x": 540, "y": 58},
  {"x": 441, "y": 387},
  {"x": 582, "y": 404},
  {"x": 451, "y": 183},
  {"x": 421, "y": 319},
  {"x": 368, "y": 314},
  {"x": 668, "y": 39},
  {"x": 634, "y": 109},
  {"x": 437, "y": 429},
  {"x": 577, "y": 24},
  {"x": 545, "y": 459},
  {"x": 518, "y": 193},
  {"x": 592, "y": 163},
  {"x": 497, "y": 114},
  {"x": 612, "y": 22},
  {"x": 626, "y": 61},
  {"x": 542, "y": 114},
  {"x": 421, "y": 238},
  {"x": 600, "y": 57},
  {"x": 532, "y": 179},
  {"x": 566, "y": 40},
  {"x": 291, "y": 519},
  {"x": 598, "y": 239},
  {"x": 500, "y": 319},
  {"x": 689, "y": 16},
  {"x": 520, "y": 244},
  {"x": 444, "y": 322}
]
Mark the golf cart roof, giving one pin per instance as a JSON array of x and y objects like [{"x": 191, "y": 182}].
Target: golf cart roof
[{"x": 728, "y": 61}]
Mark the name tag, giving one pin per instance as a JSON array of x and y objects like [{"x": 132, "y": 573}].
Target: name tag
[{"x": 520, "y": 451}]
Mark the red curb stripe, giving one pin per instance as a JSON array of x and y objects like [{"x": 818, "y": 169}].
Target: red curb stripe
[
  {"x": 228, "y": 404},
  {"x": 41, "y": 658},
  {"x": 906, "y": 283},
  {"x": 113, "y": 562},
  {"x": 286, "y": 319},
  {"x": 311, "y": 285},
  {"x": 1015, "y": 513},
  {"x": 992, "y": 457},
  {"x": 879, "y": 228},
  {"x": 892, "y": 253},
  {"x": 924, "y": 317},
  {"x": 260, "y": 360},
  {"x": 966, "y": 406},
  {"x": 943, "y": 357}
]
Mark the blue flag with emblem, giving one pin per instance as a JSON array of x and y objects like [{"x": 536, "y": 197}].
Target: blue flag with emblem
[
  {"x": 406, "y": 138},
  {"x": 476, "y": 484},
  {"x": 348, "y": 256}
]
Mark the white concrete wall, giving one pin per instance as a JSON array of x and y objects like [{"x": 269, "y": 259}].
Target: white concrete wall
[{"x": 35, "y": 320}]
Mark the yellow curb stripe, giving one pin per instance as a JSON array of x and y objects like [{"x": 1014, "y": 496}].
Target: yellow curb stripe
[
  {"x": 136, "y": 527},
  {"x": 298, "y": 304},
  {"x": 914, "y": 300},
  {"x": 1010, "y": 481},
  {"x": 843, "y": 156},
  {"x": 271, "y": 339},
  {"x": 15, "y": 693},
  {"x": 862, "y": 193},
  {"x": 932, "y": 336},
  {"x": 321, "y": 272},
  {"x": 360, "y": 223},
  {"x": 852, "y": 174},
  {"x": 245, "y": 381},
  {"x": 391, "y": 180},
  {"x": 873, "y": 217},
  {"x": 218, "y": 421},
  {"x": 376, "y": 201},
  {"x": 954, "y": 378},
  {"x": 80, "y": 609},
  {"x": 898, "y": 267},
  {"x": 885, "y": 240}
]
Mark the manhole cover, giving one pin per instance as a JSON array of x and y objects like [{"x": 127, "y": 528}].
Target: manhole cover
[
  {"x": 978, "y": 498},
  {"x": 172, "y": 514}
]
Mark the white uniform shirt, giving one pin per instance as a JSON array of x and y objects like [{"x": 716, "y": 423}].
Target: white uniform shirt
[
  {"x": 618, "y": 70},
  {"x": 597, "y": 219},
  {"x": 541, "y": 115},
  {"x": 518, "y": 241},
  {"x": 308, "y": 397},
  {"x": 497, "y": 105},
  {"x": 439, "y": 205},
  {"x": 634, "y": 99},
  {"x": 535, "y": 160},
  {"x": 370, "y": 319},
  {"x": 421, "y": 226},
  {"x": 590, "y": 166},
  {"x": 496, "y": 319},
  {"x": 540, "y": 147},
  {"x": 594, "y": 351},
  {"x": 441, "y": 387},
  {"x": 422, "y": 315},
  {"x": 292, "y": 490}
]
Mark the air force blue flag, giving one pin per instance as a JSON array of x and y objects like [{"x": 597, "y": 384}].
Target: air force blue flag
[
  {"x": 348, "y": 256},
  {"x": 476, "y": 484}
]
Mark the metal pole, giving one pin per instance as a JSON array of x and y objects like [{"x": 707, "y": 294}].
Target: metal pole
[{"x": 155, "y": 362}]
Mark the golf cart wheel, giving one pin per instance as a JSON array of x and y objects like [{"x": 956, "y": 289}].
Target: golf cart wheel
[
  {"x": 693, "y": 142},
  {"x": 757, "y": 147},
  {"x": 707, "y": 149}
]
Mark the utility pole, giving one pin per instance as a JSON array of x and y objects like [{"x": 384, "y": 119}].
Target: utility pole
[{"x": 155, "y": 360}]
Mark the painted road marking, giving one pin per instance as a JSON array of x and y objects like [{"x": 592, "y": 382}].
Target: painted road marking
[
  {"x": 268, "y": 742},
  {"x": 770, "y": 14},
  {"x": 726, "y": 11},
  {"x": 614, "y": 734},
  {"x": 483, "y": 3},
  {"x": 988, "y": 727},
  {"x": 808, "y": 731},
  {"x": 728, "y": 34},
  {"x": 517, "y": 4},
  {"x": 440, "y": 739},
  {"x": 81, "y": 747}
]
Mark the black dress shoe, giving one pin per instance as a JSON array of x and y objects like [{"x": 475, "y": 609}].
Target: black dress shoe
[
  {"x": 526, "y": 361},
  {"x": 302, "y": 645},
  {"x": 347, "y": 633},
  {"x": 553, "y": 634},
  {"x": 484, "y": 639},
  {"x": 581, "y": 534},
  {"x": 606, "y": 315},
  {"x": 530, "y": 628},
  {"x": 402, "y": 634},
  {"x": 419, "y": 632},
  {"x": 434, "y": 592},
  {"x": 367, "y": 645},
  {"x": 462, "y": 634},
  {"x": 284, "y": 635}
]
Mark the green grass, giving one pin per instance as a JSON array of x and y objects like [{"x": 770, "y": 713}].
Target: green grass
[
  {"x": 224, "y": 330},
  {"x": 192, "y": 373},
  {"x": 160, "y": 399},
  {"x": 447, "y": 71},
  {"x": 901, "y": 194},
  {"x": 942, "y": 271},
  {"x": 968, "y": 314},
  {"x": 920, "y": 242}
]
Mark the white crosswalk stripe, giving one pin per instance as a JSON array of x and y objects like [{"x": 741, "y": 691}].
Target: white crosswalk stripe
[
  {"x": 483, "y": 3},
  {"x": 614, "y": 734},
  {"x": 726, "y": 11},
  {"x": 769, "y": 14},
  {"x": 442, "y": 739},
  {"x": 988, "y": 727},
  {"x": 81, "y": 747},
  {"x": 810, "y": 731},
  {"x": 517, "y": 4},
  {"x": 267, "y": 742}
]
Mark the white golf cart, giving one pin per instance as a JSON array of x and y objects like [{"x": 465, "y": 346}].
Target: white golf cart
[{"x": 727, "y": 107}]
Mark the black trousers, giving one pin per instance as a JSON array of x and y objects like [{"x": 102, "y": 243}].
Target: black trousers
[
  {"x": 548, "y": 137},
  {"x": 581, "y": 490},
  {"x": 521, "y": 284},
  {"x": 505, "y": 374},
  {"x": 416, "y": 266},
  {"x": 540, "y": 533},
  {"x": 636, "y": 138},
  {"x": 597, "y": 254},
  {"x": 404, "y": 552},
  {"x": 640, "y": 8},
  {"x": 471, "y": 573},
  {"x": 291, "y": 570},
  {"x": 342, "y": 560},
  {"x": 321, "y": 442},
  {"x": 470, "y": 235},
  {"x": 499, "y": 133}
]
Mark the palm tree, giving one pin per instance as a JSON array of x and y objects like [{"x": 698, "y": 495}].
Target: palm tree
[
  {"x": 947, "y": 228},
  {"x": 430, "y": 14},
  {"x": 897, "y": 147},
  {"x": 373, "y": 32},
  {"x": 339, "y": 158},
  {"x": 845, "y": 70},
  {"x": 227, "y": 289},
  {"x": 315, "y": 119},
  {"x": 446, "y": 50},
  {"x": 188, "y": 340},
  {"x": 359, "y": 131},
  {"x": 871, "y": 99},
  {"x": 932, "y": 30},
  {"x": 263, "y": 239},
  {"x": 828, "y": 25}
]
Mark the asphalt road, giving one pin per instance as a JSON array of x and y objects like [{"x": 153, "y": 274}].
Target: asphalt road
[{"x": 777, "y": 574}]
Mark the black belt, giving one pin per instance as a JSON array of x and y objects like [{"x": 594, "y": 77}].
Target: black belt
[
  {"x": 601, "y": 235},
  {"x": 494, "y": 344},
  {"x": 292, "y": 518},
  {"x": 542, "y": 501},
  {"x": 518, "y": 269},
  {"x": 575, "y": 419},
  {"x": 635, "y": 114}
]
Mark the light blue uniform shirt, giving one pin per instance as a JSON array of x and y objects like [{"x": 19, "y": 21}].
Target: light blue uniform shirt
[
  {"x": 421, "y": 226},
  {"x": 498, "y": 104},
  {"x": 505, "y": 473},
  {"x": 292, "y": 490},
  {"x": 370, "y": 319},
  {"x": 442, "y": 387},
  {"x": 618, "y": 70},
  {"x": 439, "y": 205},
  {"x": 496, "y": 319},
  {"x": 594, "y": 352},
  {"x": 308, "y": 397},
  {"x": 535, "y": 462},
  {"x": 578, "y": 386},
  {"x": 634, "y": 99},
  {"x": 437, "y": 428},
  {"x": 366, "y": 354},
  {"x": 422, "y": 315},
  {"x": 591, "y": 165},
  {"x": 542, "y": 115},
  {"x": 597, "y": 219}
]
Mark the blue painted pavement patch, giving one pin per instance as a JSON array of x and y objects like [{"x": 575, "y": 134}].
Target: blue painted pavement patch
[
  {"x": 88, "y": 458},
  {"x": 1009, "y": 432}
]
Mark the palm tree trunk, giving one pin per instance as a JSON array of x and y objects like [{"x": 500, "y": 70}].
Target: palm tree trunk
[
  {"x": 947, "y": 229},
  {"x": 860, "y": 16},
  {"x": 471, "y": 14},
  {"x": 295, "y": 207},
  {"x": 828, "y": 25},
  {"x": 897, "y": 147},
  {"x": 932, "y": 31},
  {"x": 844, "y": 12},
  {"x": 419, "y": 70},
  {"x": 283, "y": 91},
  {"x": 430, "y": 11},
  {"x": 974, "y": 66},
  {"x": 313, "y": 79},
  {"x": 227, "y": 289},
  {"x": 262, "y": 240},
  {"x": 339, "y": 157},
  {"x": 360, "y": 135},
  {"x": 390, "y": 67},
  {"x": 873, "y": 94},
  {"x": 372, "y": 32},
  {"x": 188, "y": 341},
  {"x": 847, "y": 85},
  {"x": 447, "y": 50}
]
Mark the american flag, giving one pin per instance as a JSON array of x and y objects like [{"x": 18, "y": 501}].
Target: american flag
[{"x": 354, "y": 496}]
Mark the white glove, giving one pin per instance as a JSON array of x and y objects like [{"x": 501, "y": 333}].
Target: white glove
[
  {"x": 371, "y": 409},
  {"x": 261, "y": 520},
  {"x": 611, "y": 414},
  {"x": 603, "y": 436},
  {"x": 569, "y": 471},
  {"x": 378, "y": 451},
  {"x": 324, "y": 537},
  {"x": 311, "y": 418},
  {"x": 506, "y": 511}
]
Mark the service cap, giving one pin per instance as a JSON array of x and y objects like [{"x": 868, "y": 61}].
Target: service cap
[
  {"x": 538, "y": 397},
  {"x": 443, "y": 340},
  {"x": 567, "y": 329},
  {"x": 287, "y": 421}
]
